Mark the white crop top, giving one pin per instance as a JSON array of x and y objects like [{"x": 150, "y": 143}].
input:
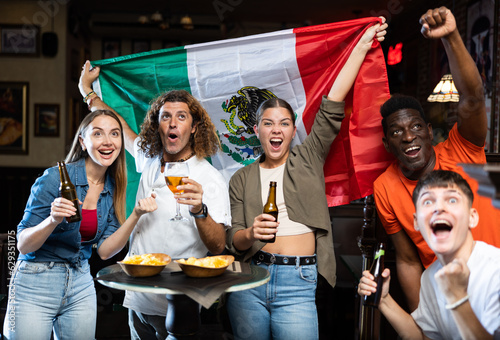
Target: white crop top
[{"x": 286, "y": 227}]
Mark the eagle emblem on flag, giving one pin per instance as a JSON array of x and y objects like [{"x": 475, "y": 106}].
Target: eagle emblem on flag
[{"x": 244, "y": 105}]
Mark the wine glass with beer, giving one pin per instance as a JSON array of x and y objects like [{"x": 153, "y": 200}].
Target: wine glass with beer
[{"x": 174, "y": 173}]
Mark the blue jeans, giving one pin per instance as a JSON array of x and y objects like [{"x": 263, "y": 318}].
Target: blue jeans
[
  {"x": 282, "y": 309},
  {"x": 50, "y": 295}
]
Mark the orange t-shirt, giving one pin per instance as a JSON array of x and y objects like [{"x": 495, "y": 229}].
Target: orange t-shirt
[{"x": 393, "y": 191}]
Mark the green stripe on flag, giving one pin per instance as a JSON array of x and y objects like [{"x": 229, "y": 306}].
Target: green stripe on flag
[{"x": 128, "y": 85}]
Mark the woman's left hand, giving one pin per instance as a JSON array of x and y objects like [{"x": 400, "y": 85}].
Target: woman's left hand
[
  {"x": 381, "y": 31},
  {"x": 376, "y": 32},
  {"x": 146, "y": 205}
]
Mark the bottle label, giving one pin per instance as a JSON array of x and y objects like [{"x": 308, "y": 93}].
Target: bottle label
[{"x": 379, "y": 253}]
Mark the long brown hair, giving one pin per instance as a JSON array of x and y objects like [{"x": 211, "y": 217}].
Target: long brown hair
[
  {"x": 117, "y": 170},
  {"x": 204, "y": 141}
]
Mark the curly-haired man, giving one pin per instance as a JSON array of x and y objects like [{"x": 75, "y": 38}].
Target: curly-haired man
[{"x": 176, "y": 128}]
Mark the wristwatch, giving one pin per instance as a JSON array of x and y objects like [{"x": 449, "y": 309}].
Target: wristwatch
[{"x": 203, "y": 213}]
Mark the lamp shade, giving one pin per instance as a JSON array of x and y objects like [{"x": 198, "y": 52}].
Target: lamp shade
[
  {"x": 187, "y": 22},
  {"x": 445, "y": 91},
  {"x": 156, "y": 17}
]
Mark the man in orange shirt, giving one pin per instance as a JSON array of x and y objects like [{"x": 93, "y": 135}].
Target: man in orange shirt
[{"x": 409, "y": 138}]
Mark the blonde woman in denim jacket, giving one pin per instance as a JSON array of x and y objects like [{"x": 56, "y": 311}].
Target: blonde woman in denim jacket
[{"x": 51, "y": 288}]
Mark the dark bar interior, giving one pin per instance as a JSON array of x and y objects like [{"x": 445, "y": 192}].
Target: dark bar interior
[{"x": 70, "y": 32}]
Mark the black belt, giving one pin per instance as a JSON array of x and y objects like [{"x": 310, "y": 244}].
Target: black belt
[{"x": 268, "y": 258}]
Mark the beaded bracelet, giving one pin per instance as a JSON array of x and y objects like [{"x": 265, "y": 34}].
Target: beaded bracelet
[
  {"x": 457, "y": 303},
  {"x": 89, "y": 104},
  {"x": 87, "y": 96}
]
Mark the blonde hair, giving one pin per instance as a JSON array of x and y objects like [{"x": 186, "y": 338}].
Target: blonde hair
[{"x": 117, "y": 171}]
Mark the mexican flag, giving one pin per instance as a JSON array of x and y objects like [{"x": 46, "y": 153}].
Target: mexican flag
[{"x": 231, "y": 78}]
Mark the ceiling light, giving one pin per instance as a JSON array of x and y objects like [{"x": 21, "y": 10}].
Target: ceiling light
[
  {"x": 156, "y": 17},
  {"x": 143, "y": 19},
  {"x": 164, "y": 25},
  {"x": 187, "y": 22}
]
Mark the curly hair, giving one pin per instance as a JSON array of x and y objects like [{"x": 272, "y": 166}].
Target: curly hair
[
  {"x": 399, "y": 102},
  {"x": 204, "y": 141}
]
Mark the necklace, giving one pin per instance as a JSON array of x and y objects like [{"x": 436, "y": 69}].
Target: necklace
[
  {"x": 163, "y": 162},
  {"x": 95, "y": 183}
]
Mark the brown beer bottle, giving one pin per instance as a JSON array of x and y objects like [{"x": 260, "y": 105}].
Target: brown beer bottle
[
  {"x": 376, "y": 270},
  {"x": 68, "y": 191},
  {"x": 270, "y": 207}
]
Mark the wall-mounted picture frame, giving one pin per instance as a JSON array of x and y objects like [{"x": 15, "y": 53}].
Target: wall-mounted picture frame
[
  {"x": 14, "y": 117},
  {"x": 19, "y": 40},
  {"x": 481, "y": 33},
  {"x": 47, "y": 119},
  {"x": 139, "y": 46},
  {"x": 111, "y": 48}
]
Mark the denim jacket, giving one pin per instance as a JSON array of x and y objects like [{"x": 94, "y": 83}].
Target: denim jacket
[{"x": 64, "y": 244}]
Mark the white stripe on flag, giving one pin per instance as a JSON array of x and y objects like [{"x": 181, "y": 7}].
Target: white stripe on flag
[{"x": 217, "y": 71}]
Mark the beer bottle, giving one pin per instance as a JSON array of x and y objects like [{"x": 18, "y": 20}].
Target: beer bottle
[
  {"x": 68, "y": 191},
  {"x": 270, "y": 207},
  {"x": 376, "y": 270}
]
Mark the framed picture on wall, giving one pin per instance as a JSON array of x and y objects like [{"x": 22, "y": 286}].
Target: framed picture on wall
[
  {"x": 111, "y": 48},
  {"x": 47, "y": 120},
  {"x": 14, "y": 117},
  {"x": 481, "y": 46},
  {"x": 19, "y": 40}
]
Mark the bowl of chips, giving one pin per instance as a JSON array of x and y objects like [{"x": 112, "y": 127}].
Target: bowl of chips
[
  {"x": 144, "y": 265},
  {"x": 205, "y": 267}
]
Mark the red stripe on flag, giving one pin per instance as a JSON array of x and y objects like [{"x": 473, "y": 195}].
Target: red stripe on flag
[{"x": 357, "y": 156}]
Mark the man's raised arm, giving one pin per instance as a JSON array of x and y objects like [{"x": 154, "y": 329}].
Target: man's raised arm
[{"x": 472, "y": 119}]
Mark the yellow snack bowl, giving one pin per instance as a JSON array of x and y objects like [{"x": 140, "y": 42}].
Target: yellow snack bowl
[
  {"x": 145, "y": 265},
  {"x": 205, "y": 267}
]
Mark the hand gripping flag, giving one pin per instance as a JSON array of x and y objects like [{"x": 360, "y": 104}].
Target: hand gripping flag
[{"x": 231, "y": 78}]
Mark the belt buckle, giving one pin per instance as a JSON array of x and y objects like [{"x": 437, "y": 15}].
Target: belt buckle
[{"x": 272, "y": 258}]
